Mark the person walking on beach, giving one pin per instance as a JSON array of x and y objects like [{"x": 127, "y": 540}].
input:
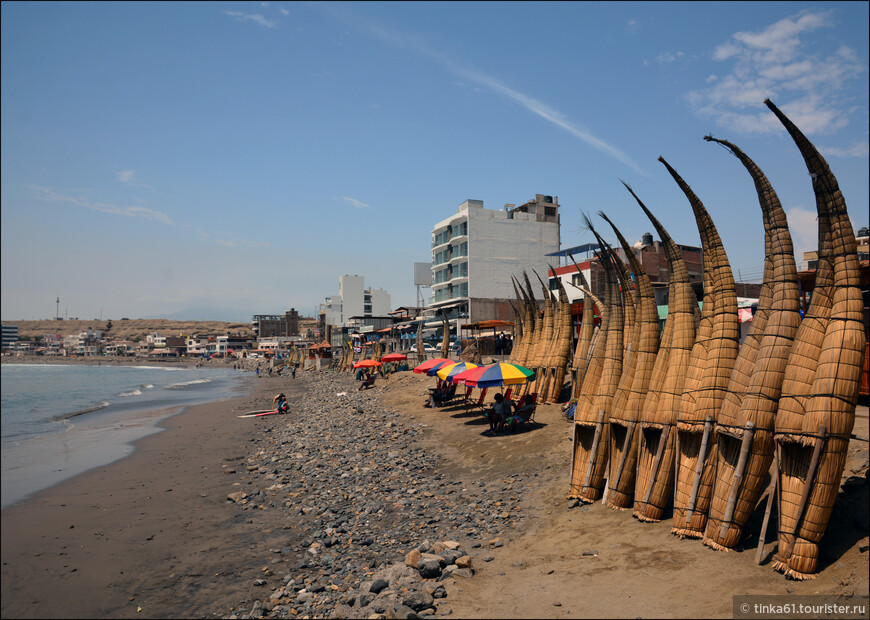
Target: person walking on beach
[{"x": 293, "y": 371}]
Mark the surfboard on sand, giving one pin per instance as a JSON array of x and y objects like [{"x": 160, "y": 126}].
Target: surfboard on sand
[{"x": 257, "y": 414}]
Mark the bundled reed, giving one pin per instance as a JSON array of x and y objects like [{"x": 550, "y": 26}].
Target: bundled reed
[
  {"x": 655, "y": 471},
  {"x": 542, "y": 354},
  {"x": 741, "y": 476},
  {"x": 592, "y": 426},
  {"x": 712, "y": 359},
  {"x": 563, "y": 340},
  {"x": 817, "y": 407},
  {"x": 534, "y": 309},
  {"x": 625, "y": 416},
  {"x": 584, "y": 337},
  {"x": 543, "y": 369},
  {"x": 533, "y": 331},
  {"x": 522, "y": 324},
  {"x": 586, "y": 443}
]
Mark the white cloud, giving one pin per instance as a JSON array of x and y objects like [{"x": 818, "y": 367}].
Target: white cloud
[
  {"x": 257, "y": 18},
  {"x": 126, "y": 176},
  {"x": 859, "y": 149},
  {"x": 49, "y": 195},
  {"x": 803, "y": 226},
  {"x": 632, "y": 26},
  {"x": 667, "y": 57},
  {"x": 776, "y": 63},
  {"x": 475, "y": 76},
  {"x": 358, "y": 204}
]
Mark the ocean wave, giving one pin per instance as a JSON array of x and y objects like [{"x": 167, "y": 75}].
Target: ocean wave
[
  {"x": 67, "y": 416},
  {"x": 176, "y": 386},
  {"x": 146, "y": 386},
  {"x": 133, "y": 393}
]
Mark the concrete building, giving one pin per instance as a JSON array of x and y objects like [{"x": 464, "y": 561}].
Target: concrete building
[
  {"x": 651, "y": 255},
  {"x": 475, "y": 252},
  {"x": 269, "y": 325},
  {"x": 10, "y": 335},
  {"x": 353, "y": 300}
]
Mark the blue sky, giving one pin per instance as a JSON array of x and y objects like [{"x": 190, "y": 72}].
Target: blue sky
[{"x": 229, "y": 159}]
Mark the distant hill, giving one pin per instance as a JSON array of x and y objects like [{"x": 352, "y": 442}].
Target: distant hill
[
  {"x": 138, "y": 329},
  {"x": 130, "y": 329},
  {"x": 207, "y": 314}
]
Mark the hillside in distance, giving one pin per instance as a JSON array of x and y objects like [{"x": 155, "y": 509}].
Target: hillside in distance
[{"x": 130, "y": 329}]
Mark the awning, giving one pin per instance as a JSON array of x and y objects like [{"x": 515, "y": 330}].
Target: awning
[{"x": 488, "y": 324}]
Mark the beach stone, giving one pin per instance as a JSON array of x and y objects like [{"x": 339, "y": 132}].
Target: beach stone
[
  {"x": 412, "y": 559},
  {"x": 237, "y": 496},
  {"x": 418, "y": 600},
  {"x": 404, "y": 612},
  {"x": 378, "y": 585},
  {"x": 442, "y": 561},
  {"x": 429, "y": 568},
  {"x": 464, "y": 561}
]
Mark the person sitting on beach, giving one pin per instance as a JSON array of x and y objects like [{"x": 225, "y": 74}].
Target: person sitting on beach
[
  {"x": 498, "y": 414},
  {"x": 280, "y": 403},
  {"x": 368, "y": 381},
  {"x": 440, "y": 395}
]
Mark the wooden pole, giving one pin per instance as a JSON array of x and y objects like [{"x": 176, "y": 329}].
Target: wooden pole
[
  {"x": 748, "y": 432},
  {"x": 808, "y": 485},
  {"x": 699, "y": 469},
  {"x": 773, "y": 489}
]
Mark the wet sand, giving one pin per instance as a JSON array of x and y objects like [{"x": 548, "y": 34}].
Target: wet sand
[{"x": 150, "y": 535}]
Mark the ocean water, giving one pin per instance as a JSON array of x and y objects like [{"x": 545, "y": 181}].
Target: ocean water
[{"x": 59, "y": 420}]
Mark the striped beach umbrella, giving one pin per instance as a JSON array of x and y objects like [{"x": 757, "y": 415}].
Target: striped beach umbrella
[
  {"x": 495, "y": 375},
  {"x": 425, "y": 367},
  {"x": 447, "y": 372}
]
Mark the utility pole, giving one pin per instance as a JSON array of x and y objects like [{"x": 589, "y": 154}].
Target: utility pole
[{"x": 57, "y": 312}]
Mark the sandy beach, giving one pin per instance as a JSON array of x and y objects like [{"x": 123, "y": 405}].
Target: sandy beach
[{"x": 155, "y": 534}]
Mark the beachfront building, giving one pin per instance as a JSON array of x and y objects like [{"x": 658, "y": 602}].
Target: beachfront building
[
  {"x": 353, "y": 300},
  {"x": 649, "y": 252},
  {"x": 475, "y": 252},
  {"x": 268, "y": 325},
  {"x": 88, "y": 343},
  {"x": 155, "y": 341},
  {"x": 10, "y": 335}
]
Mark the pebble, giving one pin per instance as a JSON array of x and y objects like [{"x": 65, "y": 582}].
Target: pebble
[{"x": 376, "y": 525}]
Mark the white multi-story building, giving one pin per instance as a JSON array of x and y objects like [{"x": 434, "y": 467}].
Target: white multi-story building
[
  {"x": 354, "y": 300},
  {"x": 476, "y": 251}
]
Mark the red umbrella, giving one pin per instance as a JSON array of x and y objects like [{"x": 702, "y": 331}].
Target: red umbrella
[
  {"x": 394, "y": 357},
  {"x": 366, "y": 363},
  {"x": 426, "y": 366}
]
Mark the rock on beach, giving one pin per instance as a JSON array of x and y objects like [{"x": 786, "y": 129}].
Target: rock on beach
[{"x": 381, "y": 530}]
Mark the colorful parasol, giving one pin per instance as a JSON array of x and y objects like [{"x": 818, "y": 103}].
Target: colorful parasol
[
  {"x": 366, "y": 363},
  {"x": 448, "y": 371},
  {"x": 426, "y": 366},
  {"x": 495, "y": 375},
  {"x": 394, "y": 357}
]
